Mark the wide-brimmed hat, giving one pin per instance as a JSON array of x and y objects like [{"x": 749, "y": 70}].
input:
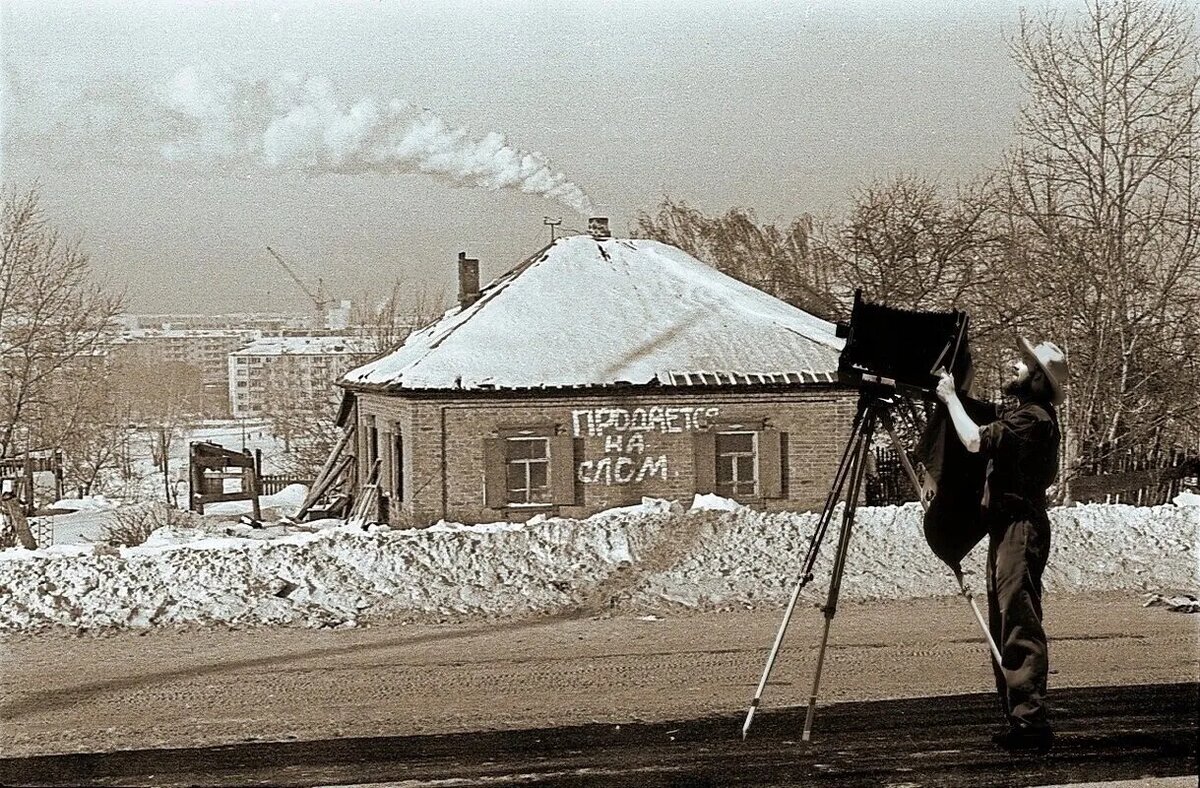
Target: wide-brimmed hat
[{"x": 1052, "y": 361}]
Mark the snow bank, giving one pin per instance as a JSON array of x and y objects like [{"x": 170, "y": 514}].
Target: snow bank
[
  {"x": 648, "y": 557},
  {"x": 90, "y": 503},
  {"x": 1187, "y": 498},
  {"x": 289, "y": 498}
]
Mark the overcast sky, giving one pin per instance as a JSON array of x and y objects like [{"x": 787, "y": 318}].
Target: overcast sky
[{"x": 359, "y": 139}]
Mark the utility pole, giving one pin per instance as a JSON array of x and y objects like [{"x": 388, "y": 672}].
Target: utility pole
[{"x": 551, "y": 223}]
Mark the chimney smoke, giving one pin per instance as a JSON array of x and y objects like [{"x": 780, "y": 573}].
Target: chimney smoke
[{"x": 468, "y": 280}]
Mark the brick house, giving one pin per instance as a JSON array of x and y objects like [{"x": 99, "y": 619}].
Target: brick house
[{"x": 596, "y": 372}]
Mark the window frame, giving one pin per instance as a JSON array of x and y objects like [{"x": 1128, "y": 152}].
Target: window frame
[
  {"x": 730, "y": 489},
  {"x": 397, "y": 449},
  {"x": 545, "y": 460}
]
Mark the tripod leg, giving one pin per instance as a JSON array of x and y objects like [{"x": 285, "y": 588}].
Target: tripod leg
[
  {"x": 958, "y": 573},
  {"x": 987, "y": 633},
  {"x": 839, "y": 562},
  {"x": 962, "y": 585},
  {"x": 843, "y": 472},
  {"x": 904, "y": 460}
]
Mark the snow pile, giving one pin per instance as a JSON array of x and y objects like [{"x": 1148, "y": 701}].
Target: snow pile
[
  {"x": 288, "y": 499},
  {"x": 1187, "y": 498},
  {"x": 91, "y": 503},
  {"x": 641, "y": 558},
  {"x": 1180, "y": 603}
]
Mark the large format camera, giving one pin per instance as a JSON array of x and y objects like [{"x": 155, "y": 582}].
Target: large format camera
[{"x": 901, "y": 348}]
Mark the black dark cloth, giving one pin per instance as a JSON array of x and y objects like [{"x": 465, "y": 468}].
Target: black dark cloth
[
  {"x": 1021, "y": 448},
  {"x": 953, "y": 522}
]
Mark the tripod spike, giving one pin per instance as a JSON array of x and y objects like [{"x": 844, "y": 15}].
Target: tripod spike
[{"x": 749, "y": 718}]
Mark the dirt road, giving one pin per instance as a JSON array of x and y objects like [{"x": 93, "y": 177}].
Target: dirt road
[
  {"x": 61, "y": 693},
  {"x": 1105, "y": 734}
]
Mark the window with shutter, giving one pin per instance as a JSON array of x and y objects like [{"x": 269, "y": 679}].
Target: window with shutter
[
  {"x": 562, "y": 469},
  {"x": 527, "y": 466},
  {"x": 737, "y": 464},
  {"x": 770, "y": 464},
  {"x": 495, "y": 487},
  {"x": 705, "y": 462}
]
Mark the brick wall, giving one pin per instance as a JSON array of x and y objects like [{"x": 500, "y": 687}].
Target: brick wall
[{"x": 625, "y": 446}]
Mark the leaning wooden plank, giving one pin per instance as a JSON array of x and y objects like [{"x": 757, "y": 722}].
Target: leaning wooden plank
[
  {"x": 318, "y": 490},
  {"x": 367, "y": 509},
  {"x": 320, "y": 484},
  {"x": 15, "y": 514}
]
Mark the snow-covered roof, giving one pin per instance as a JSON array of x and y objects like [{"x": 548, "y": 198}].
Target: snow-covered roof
[
  {"x": 587, "y": 312},
  {"x": 310, "y": 346}
]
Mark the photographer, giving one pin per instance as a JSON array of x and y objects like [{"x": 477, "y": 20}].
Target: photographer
[{"x": 1021, "y": 447}]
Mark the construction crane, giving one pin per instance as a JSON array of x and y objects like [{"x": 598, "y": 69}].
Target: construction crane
[{"x": 318, "y": 298}]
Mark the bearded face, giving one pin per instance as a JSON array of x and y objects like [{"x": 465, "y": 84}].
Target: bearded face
[
  {"x": 1027, "y": 384},
  {"x": 1018, "y": 385}
]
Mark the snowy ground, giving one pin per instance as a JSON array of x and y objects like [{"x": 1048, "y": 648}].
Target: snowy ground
[
  {"x": 647, "y": 558},
  {"x": 91, "y": 515}
]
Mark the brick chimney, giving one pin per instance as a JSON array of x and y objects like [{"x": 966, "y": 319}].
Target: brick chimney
[
  {"x": 468, "y": 280},
  {"x": 598, "y": 228}
]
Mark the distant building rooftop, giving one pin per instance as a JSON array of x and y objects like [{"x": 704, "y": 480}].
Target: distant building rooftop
[{"x": 307, "y": 345}]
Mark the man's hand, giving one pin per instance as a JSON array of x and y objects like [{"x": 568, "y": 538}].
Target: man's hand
[{"x": 945, "y": 386}]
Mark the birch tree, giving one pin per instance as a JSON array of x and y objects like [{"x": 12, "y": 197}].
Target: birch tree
[{"x": 1101, "y": 200}]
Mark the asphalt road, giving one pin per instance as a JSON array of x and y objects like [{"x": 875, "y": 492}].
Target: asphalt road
[{"x": 1105, "y": 733}]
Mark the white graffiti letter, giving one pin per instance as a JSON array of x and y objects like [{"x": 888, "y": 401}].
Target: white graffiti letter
[
  {"x": 652, "y": 466},
  {"x": 576, "y": 415}
]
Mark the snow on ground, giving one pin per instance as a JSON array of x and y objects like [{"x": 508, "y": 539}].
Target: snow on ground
[
  {"x": 653, "y": 557},
  {"x": 1187, "y": 498},
  {"x": 90, "y": 515},
  {"x": 90, "y": 503}
]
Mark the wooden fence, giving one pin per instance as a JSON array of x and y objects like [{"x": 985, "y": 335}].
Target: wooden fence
[
  {"x": 1147, "y": 479},
  {"x": 273, "y": 483},
  {"x": 1140, "y": 478},
  {"x": 887, "y": 484}
]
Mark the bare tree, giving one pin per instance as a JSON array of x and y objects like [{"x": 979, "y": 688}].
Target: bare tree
[
  {"x": 388, "y": 319},
  {"x": 53, "y": 318},
  {"x": 905, "y": 243},
  {"x": 779, "y": 261},
  {"x": 1101, "y": 198},
  {"x": 303, "y": 417}
]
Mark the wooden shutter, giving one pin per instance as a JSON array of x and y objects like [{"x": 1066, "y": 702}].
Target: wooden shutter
[
  {"x": 705, "y": 447},
  {"x": 562, "y": 469},
  {"x": 495, "y": 473},
  {"x": 770, "y": 476}
]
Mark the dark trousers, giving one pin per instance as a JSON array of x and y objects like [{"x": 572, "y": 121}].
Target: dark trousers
[{"x": 1017, "y": 552}]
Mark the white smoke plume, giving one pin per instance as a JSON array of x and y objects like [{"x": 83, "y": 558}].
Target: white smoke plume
[{"x": 296, "y": 122}]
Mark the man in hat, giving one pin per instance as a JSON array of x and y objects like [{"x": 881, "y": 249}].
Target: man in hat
[{"x": 1021, "y": 448}]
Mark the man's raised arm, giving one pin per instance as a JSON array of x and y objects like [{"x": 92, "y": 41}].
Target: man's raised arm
[{"x": 967, "y": 430}]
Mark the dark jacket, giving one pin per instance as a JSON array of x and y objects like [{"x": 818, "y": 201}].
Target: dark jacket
[{"x": 1022, "y": 452}]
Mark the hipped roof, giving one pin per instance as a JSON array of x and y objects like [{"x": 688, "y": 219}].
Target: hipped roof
[{"x": 588, "y": 312}]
